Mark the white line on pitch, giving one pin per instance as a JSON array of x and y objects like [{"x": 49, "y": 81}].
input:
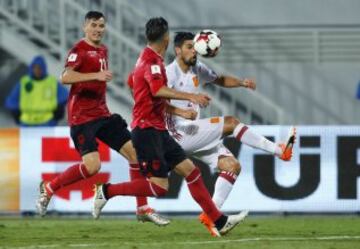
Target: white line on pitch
[{"x": 243, "y": 240}]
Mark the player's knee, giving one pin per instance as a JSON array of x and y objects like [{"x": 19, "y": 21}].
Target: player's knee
[
  {"x": 93, "y": 167},
  {"x": 128, "y": 151},
  {"x": 231, "y": 165},
  {"x": 230, "y": 124},
  {"x": 185, "y": 168},
  {"x": 132, "y": 157},
  {"x": 231, "y": 121},
  {"x": 92, "y": 162},
  {"x": 235, "y": 168}
]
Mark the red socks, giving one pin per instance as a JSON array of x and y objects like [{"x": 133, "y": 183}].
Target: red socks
[
  {"x": 201, "y": 194},
  {"x": 138, "y": 187},
  {"x": 136, "y": 174},
  {"x": 72, "y": 174}
]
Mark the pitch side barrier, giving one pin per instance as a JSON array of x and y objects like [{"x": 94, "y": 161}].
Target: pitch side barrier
[{"x": 322, "y": 177}]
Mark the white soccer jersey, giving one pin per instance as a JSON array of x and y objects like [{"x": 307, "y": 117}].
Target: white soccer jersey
[
  {"x": 201, "y": 138},
  {"x": 188, "y": 82}
]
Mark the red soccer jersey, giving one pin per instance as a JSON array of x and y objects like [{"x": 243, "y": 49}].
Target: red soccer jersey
[
  {"x": 87, "y": 99},
  {"x": 146, "y": 79}
]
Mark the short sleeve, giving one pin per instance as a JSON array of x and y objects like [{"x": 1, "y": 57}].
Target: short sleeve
[
  {"x": 74, "y": 59},
  {"x": 154, "y": 77},
  {"x": 130, "y": 80},
  {"x": 206, "y": 74}
]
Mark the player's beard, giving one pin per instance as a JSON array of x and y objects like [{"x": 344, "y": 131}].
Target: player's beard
[{"x": 191, "y": 61}]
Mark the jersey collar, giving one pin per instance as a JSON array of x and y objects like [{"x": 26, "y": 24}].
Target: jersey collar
[
  {"x": 159, "y": 55},
  {"x": 191, "y": 68}
]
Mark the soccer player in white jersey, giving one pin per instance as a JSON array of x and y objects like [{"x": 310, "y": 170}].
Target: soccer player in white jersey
[{"x": 202, "y": 138}]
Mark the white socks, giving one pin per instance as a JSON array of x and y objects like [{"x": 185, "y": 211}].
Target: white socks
[
  {"x": 226, "y": 180},
  {"x": 243, "y": 134},
  {"x": 223, "y": 187}
]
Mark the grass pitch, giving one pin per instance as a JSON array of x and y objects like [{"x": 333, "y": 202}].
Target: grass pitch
[{"x": 330, "y": 232}]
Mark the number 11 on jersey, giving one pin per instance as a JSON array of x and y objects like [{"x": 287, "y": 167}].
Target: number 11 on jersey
[{"x": 103, "y": 65}]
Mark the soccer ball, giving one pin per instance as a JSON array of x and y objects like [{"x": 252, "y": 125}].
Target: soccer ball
[{"x": 207, "y": 43}]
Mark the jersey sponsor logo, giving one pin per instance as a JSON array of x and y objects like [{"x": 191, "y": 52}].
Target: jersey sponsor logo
[
  {"x": 72, "y": 57},
  {"x": 155, "y": 69}
]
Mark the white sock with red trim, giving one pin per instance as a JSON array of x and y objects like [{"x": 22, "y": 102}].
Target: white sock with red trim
[
  {"x": 223, "y": 187},
  {"x": 245, "y": 135}
]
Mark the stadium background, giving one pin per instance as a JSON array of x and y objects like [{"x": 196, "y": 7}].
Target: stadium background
[{"x": 305, "y": 56}]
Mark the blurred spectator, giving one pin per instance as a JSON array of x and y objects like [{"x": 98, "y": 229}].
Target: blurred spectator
[
  {"x": 358, "y": 91},
  {"x": 38, "y": 99}
]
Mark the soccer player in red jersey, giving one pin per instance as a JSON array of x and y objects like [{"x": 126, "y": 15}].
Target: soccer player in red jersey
[
  {"x": 158, "y": 153},
  {"x": 86, "y": 70}
]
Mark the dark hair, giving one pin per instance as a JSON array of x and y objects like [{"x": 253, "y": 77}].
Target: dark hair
[
  {"x": 180, "y": 37},
  {"x": 94, "y": 15},
  {"x": 156, "y": 28}
]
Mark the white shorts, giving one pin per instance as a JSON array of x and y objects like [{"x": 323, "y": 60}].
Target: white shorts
[{"x": 202, "y": 139}]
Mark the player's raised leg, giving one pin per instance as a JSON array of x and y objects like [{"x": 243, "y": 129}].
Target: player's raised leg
[
  {"x": 144, "y": 212},
  {"x": 153, "y": 187},
  {"x": 246, "y": 135}
]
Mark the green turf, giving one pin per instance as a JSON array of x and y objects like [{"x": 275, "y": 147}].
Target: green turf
[{"x": 331, "y": 232}]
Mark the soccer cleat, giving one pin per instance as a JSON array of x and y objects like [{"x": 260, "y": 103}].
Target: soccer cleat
[
  {"x": 233, "y": 221},
  {"x": 149, "y": 215},
  {"x": 210, "y": 226},
  {"x": 43, "y": 200},
  {"x": 287, "y": 148},
  {"x": 99, "y": 200}
]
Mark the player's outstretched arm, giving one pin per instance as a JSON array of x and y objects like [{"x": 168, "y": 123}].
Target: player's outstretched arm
[
  {"x": 69, "y": 76},
  {"x": 187, "y": 114},
  {"x": 230, "y": 81},
  {"x": 168, "y": 93}
]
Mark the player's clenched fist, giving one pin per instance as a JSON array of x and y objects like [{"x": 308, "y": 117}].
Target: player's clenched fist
[
  {"x": 201, "y": 99},
  {"x": 189, "y": 114}
]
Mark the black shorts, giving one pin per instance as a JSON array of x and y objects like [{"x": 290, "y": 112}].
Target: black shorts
[
  {"x": 157, "y": 152},
  {"x": 110, "y": 130}
]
